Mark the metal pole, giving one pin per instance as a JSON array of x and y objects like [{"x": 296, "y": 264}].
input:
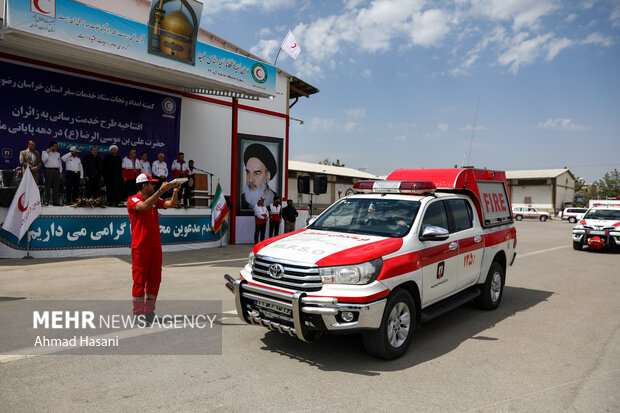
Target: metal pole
[
  {"x": 28, "y": 256},
  {"x": 279, "y": 50}
]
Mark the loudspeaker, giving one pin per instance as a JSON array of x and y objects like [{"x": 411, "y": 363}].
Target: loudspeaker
[
  {"x": 303, "y": 184},
  {"x": 320, "y": 184}
]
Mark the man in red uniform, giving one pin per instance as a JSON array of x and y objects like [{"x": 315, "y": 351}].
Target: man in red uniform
[{"x": 146, "y": 242}]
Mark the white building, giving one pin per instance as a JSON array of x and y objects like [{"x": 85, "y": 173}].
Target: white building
[
  {"x": 215, "y": 126},
  {"x": 340, "y": 182},
  {"x": 549, "y": 190}
]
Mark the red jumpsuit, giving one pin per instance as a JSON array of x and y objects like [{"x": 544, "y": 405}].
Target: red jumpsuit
[{"x": 145, "y": 254}]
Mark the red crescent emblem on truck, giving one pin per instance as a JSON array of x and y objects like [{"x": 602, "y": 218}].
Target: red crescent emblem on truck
[{"x": 19, "y": 203}]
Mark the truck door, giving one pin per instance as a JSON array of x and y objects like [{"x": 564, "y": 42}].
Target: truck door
[
  {"x": 439, "y": 259},
  {"x": 471, "y": 243}
]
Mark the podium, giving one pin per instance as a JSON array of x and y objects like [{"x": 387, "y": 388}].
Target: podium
[{"x": 200, "y": 191}]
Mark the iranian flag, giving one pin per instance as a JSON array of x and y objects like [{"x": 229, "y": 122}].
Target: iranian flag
[{"x": 219, "y": 209}]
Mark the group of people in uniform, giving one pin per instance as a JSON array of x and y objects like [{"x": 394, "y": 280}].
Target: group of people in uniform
[
  {"x": 118, "y": 174},
  {"x": 274, "y": 214}
]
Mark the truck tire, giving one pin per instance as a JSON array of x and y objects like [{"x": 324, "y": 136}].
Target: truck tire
[
  {"x": 572, "y": 220},
  {"x": 493, "y": 288},
  {"x": 578, "y": 246},
  {"x": 398, "y": 323},
  {"x": 518, "y": 217},
  {"x": 543, "y": 218}
]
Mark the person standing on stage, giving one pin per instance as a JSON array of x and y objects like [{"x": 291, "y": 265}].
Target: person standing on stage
[
  {"x": 180, "y": 170},
  {"x": 146, "y": 254},
  {"x": 30, "y": 158},
  {"x": 289, "y": 214},
  {"x": 260, "y": 220},
  {"x": 160, "y": 169},
  {"x": 75, "y": 173},
  {"x": 191, "y": 182},
  {"x": 145, "y": 165},
  {"x": 52, "y": 173},
  {"x": 113, "y": 177},
  {"x": 131, "y": 170},
  {"x": 93, "y": 172},
  {"x": 275, "y": 217}
]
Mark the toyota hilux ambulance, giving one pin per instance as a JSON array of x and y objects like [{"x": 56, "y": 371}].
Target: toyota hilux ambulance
[
  {"x": 397, "y": 253},
  {"x": 599, "y": 229}
]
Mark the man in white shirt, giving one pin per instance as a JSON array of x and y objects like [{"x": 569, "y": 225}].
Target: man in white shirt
[
  {"x": 75, "y": 173},
  {"x": 260, "y": 220},
  {"x": 52, "y": 173},
  {"x": 145, "y": 165},
  {"x": 160, "y": 169}
]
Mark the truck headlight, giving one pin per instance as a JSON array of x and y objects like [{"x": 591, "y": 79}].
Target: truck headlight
[
  {"x": 251, "y": 259},
  {"x": 363, "y": 273}
]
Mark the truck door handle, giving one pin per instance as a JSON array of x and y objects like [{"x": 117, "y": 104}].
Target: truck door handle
[
  {"x": 477, "y": 238},
  {"x": 453, "y": 245}
]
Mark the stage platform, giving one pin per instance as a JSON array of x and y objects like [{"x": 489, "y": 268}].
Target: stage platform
[{"x": 74, "y": 232}]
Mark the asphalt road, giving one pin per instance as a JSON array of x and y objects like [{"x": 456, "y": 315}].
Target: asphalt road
[{"x": 552, "y": 346}]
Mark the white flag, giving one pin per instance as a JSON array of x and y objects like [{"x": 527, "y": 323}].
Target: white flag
[
  {"x": 25, "y": 208},
  {"x": 290, "y": 46}
]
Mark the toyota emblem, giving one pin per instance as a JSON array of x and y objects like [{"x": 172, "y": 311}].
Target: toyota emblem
[{"x": 276, "y": 271}]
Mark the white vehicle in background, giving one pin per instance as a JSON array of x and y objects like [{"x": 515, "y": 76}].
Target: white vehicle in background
[
  {"x": 599, "y": 229},
  {"x": 573, "y": 215},
  {"x": 604, "y": 203},
  {"x": 398, "y": 253},
  {"x": 528, "y": 212}
]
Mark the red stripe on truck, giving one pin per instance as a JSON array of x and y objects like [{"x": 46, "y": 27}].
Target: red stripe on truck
[{"x": 362, "y": 253}]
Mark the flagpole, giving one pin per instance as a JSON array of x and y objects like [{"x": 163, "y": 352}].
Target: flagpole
[
  {"x": 28, "y": 256},
  {"x": 279, "y": 50}
]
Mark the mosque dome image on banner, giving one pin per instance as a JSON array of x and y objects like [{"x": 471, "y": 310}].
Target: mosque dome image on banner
[{"x": 173, "y": 28}]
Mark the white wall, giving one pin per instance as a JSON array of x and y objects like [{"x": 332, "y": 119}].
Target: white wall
[
  {"x": 564, "y": 195},
  {"x": 206, "y": 133},
  {"x": 540, "y": 194}
]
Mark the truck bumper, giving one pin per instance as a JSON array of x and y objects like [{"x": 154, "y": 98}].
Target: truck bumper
[{"x": 300, "y": 315}]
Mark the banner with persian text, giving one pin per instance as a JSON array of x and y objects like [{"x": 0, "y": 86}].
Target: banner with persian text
[
  {"x": 107, "y": 231},
  {"x": 44, "y": 106},
  {"x": 167, "y": 41}
]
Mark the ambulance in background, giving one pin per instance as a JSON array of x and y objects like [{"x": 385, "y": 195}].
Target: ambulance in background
[{"x": 397, "y": 253}]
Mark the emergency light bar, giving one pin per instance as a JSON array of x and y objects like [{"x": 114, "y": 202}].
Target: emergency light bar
[{"x": 394, "y": 187}]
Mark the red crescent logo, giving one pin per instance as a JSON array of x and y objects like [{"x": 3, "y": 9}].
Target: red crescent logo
[
  {"x": 35, "y": 3},
  {"x": 259, "y": 73},
  {"x": 20, "y": 205},
  {"x": 294, "y": 46}
]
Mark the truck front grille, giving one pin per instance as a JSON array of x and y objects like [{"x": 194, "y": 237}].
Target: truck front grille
[{"x": 295, "y": 276}]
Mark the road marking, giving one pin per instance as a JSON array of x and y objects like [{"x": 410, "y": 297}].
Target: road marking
[
  {"x": 557, "y": 386},
  {"x": 191, "y": 264},
  {"x": 529, "y": 254}
]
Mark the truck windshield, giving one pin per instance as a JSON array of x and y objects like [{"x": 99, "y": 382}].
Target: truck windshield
[
  {"x": 611, "y": 214},
  {"x": 383, "y": 217}
]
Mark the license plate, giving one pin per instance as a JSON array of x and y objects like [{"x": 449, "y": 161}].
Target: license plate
[
  {"x": 273, "y": 308},
  {"x": 597, "y": 232}
]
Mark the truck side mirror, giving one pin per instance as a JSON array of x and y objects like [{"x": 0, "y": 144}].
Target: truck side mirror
[{"x": 433, "y": 233}]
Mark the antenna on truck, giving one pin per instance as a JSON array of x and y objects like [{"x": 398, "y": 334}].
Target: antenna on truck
[{"x": 473, "y": 130}]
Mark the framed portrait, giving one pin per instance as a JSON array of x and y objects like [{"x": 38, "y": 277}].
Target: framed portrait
[{"x": 259, "y": 159}]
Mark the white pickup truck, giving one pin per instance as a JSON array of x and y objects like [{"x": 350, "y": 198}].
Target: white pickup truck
[
  {"x": 599, "y": 229},
  {"x": 396, "y": 254}
]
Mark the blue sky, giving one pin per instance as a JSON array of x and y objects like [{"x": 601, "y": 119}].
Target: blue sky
[{"x": 399, "y": 80}]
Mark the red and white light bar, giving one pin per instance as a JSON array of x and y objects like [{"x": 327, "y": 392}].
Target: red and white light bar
[{"x": 394, "y": 187}]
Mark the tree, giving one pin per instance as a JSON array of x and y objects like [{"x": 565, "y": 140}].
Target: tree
[
  {"x": 609, "y": 186},
  {"x": 326, "y": 161}
]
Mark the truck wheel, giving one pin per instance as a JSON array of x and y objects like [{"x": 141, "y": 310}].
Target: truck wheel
[
  {"x": 492, "y": 289},
  {"x": 577, "y": 245},
  {"x": 518, "y": 217},
  {"x": 572, "y": 220},
  {"x": 393, "y": 337},
  {"x": 543, "y": 218}
]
